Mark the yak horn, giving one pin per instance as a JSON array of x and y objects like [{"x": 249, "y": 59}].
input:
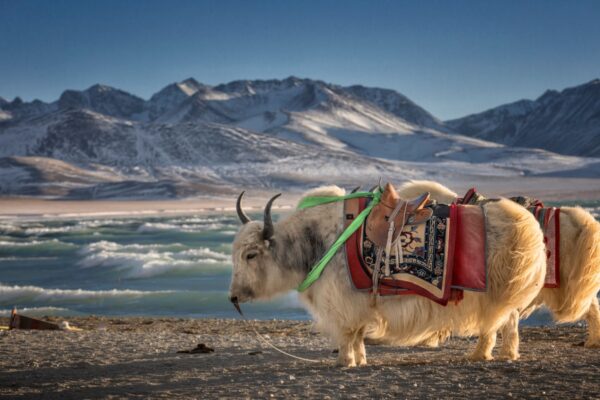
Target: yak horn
[
  {"x": 241, "y": 214},
  {"x": 355, "y": 189},
  {"x": 268, "y": 229}
]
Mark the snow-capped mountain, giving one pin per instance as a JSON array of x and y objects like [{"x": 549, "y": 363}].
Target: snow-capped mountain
[
  {"x": 396, "y": 104},
  {"x": 171, "y": 96},
  {"x": 566, "y": 122},
  {"x": 18, "y": 110},
  {"x": 105, "y": 142},
  {"x": 104, "y": 100}
]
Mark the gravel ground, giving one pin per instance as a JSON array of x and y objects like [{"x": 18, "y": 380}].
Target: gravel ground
[{"x": 138, "y": 358}]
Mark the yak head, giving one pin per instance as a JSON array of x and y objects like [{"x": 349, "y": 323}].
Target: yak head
[{"x": 256, "y": 274}]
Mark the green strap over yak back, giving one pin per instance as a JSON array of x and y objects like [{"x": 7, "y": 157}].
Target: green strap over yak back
[{"x": 308, "y": 202}]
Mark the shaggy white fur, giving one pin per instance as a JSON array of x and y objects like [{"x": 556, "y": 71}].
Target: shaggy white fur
[
  {"x": 576, "y": 298},
  {"x": 516, "y": 266}
]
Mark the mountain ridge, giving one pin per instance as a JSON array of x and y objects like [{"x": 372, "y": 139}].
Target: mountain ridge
[
  {"x": 292, "y": 132},
  {"x": 566, "y": 121}
]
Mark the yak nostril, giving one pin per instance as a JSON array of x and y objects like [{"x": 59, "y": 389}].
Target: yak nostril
[{"x": 233, "y": 299}]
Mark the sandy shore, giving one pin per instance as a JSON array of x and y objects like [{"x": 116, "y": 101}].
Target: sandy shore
[
  {"x": 138, "y": 358},
  {"x": 42, "y": 208}
]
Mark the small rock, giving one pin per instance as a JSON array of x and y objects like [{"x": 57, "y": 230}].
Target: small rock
[
  {"x": 201, "y": 348},
  {"x": 253, "y": 353}
]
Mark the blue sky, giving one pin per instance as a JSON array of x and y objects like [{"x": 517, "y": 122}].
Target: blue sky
[{"x": 451, "y": 57}]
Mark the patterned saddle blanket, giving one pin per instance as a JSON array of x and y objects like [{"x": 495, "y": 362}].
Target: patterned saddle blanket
[
  {"x": 436, "y": 259},
  {"x": 549, "y": 220}
]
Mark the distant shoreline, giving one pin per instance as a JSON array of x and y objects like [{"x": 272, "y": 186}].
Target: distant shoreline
[
  {"x": 45, "y": 208},
  {"x": 544, "y": 188}
]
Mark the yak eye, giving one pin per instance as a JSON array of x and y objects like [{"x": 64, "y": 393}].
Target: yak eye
[{"x": 250, "y": 256}]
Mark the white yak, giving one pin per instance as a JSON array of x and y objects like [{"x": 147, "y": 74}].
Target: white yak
[
  {"x": 576, "y": 298},
  {"x": 273, "y": 258}
]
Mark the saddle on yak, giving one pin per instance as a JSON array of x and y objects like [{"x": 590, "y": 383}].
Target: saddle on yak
[
  {"x": 549, "y": 220},
  {"x": 395, "y": 246},
  {"x": 416, "y": 247},
  {"x": 412, "y": 212}
]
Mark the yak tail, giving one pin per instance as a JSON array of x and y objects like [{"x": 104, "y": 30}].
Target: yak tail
[{"x": 583, "y": 280}]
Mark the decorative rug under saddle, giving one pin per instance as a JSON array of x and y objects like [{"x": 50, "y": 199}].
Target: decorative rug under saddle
[
  {"x": 436, "y": 259},
  {"x": 549, "y": 220}
]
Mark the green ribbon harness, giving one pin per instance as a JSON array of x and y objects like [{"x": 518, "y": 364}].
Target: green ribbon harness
[{"x": 313, "y": 201}]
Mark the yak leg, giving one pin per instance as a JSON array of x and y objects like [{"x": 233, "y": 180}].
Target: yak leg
[
  {"x": 436, "y": 339},
  {"x": 352, "y": 348},
  {"x": 485, "y": 344},
  {"x": 360, "y": 354},
  {"x": 593, "y": 320},
  {"x": 510, "y": 337},
  {"x": 432, "y": 341},
  {"x": 346, "y": 349}
]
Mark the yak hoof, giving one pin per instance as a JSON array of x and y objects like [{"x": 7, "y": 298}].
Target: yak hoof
[
  {"x": 346, "y": 364},
  {"x": 509, "y": 356},
  {"x": 362, "y": 362},
  {"x": 480, "y": 357}
]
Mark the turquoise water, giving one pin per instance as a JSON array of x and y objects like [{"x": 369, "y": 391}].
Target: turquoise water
[
  {"x": 168, "y": 266},
  {"x": 159, "y": 266}
]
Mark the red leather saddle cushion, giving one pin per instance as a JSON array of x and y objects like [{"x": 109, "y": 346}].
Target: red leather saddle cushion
[{"x": 470, "y": 249}]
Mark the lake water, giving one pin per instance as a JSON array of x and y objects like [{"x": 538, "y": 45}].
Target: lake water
[{"x": 159, "y": 266}]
